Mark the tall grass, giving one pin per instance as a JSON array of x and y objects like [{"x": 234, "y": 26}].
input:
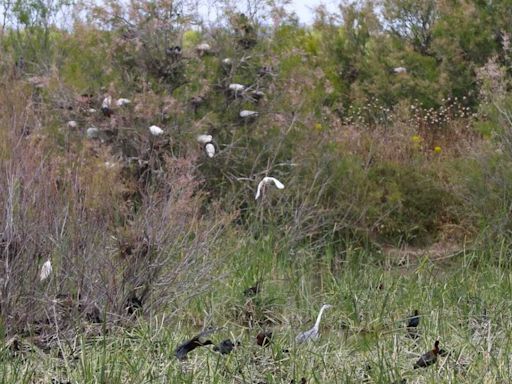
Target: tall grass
[{"x": 365, "y": 328}]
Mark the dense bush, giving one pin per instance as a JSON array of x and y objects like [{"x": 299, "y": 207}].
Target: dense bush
[{"x": 369, "y": 155}]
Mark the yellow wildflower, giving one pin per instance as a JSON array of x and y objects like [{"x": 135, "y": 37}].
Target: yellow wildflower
[{"x": 437, "y": 149}]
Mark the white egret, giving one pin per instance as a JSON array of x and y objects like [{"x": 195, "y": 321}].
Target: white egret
[
  {"x": 121, "y": 102},
  {"x": 204, "y": 139},
  {"x": 236, "y": 87},
  {"x": 400, "y": 70},
  {"x": 46, "y": 270},
  {"x": 92, "y": 133},
  {"x": 313, "y": 333},
  {"x": 106, "y": 106},
  {"x": 245, "y": 113},
  {"x": 72, "y": 124},
  {"x": 156, "y": 131},
  {"x": 267, "y": 180},
  {"x": 209, "y": 149},
  {"x": 203, "y": 48}
]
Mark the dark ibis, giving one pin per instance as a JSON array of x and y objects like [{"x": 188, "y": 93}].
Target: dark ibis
[
  {"x": 429, "y": 357},
  {"x": 264, "y": 338}
]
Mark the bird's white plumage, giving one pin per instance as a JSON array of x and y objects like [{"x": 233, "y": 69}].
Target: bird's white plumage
[
  {"x": 92, "y": 132},
  {"x": 400, "y": 70},
  {"x": 268, "y": 180},
  {"x": 313, "y": 333},
  {"x": 227, "y": 61},
  {"x": 107, "y": 102},
  {"x": 203, "y": 47},
  {"x": 245, "y": 113},
  {"x": 204, "y": 139},
  {"x": 72, "y": 124},
  {"x": 46, "y": 270},
  {"x": 209, "y": 149},
  {"x": 155, "y": 130},
  {"x": 236, "y": 87},
  {"x": 121, "y": 102}
]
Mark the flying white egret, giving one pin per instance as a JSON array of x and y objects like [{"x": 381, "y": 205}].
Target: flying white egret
[
  {"x": 204, "y": 139},
  {"x": 245, "y": 113},
  {"x": 313, "y": 333},
  {"x": 46, "y": 270},
  {"x": 268, "y": 180},
  {"x": 210, "y": 149},
  {"x": 122, "y": 102},
  {"x": 400, "y": 70},
  {"x": 156, "y": 131},
  {"x": 236, "y": 87}
]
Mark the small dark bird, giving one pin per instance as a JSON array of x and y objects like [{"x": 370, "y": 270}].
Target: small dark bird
[
  {"x": 264, "y": 338},
  {"x": 19, "y": 66},
  {"x": 414, "y": 320},
  {"x": 412, "y": 324},
  {"x": 188, "y": 346},
  {"x": 173, "y": 51},
  {"x": 225, "y": 347},
  {"x": 428, "y": 358},
  {"x": 133, "y": 304},
  {"x": 253, "y": 291}
]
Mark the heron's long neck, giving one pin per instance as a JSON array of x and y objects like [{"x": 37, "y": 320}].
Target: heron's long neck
[{"x": 317, "y": 324}]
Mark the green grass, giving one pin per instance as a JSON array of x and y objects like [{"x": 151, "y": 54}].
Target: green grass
[{"x": 365, "y": 328}]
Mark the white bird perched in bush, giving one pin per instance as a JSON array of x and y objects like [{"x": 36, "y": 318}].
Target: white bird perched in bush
[
  {"x": 106, "y": 106},
  {"x": 121, "y": 102},
  {"x": 204, "y": 139},
  {"x": 203, "y": 48},
  {"x": 209, "y": 149},
  {"x": 92, "y": 133},
  {"x": 313, "y": 333},
  {"x": 155, "y": 130},
  {"x": 245, "y": 113},
  {"x": 46, "y": 270},
  {"x": 268, "y": 180},
  {"x": 236, "y": 87},
  {"x": 400, "y": 70},
  {"x": 72, "y": 124}
]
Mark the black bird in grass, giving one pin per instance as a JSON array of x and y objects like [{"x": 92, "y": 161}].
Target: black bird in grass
[
  {"x": 226, "y": 346},
  {"x": 188, "y": 346},
  {"x": 414, "y": 320},
  {"x": 430, "y": 357},
  {"x": 133, "y": 304},
  {"x": 264, "y": 338},
  {"x": 412, "y": 324},
  {"x": 253, "y": 291}
]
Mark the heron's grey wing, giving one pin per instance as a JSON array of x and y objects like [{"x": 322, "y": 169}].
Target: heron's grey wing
[{"x": 306, "y": 336}]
